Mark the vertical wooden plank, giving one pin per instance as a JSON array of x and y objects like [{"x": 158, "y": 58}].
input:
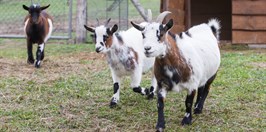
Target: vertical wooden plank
[{"x": 187, "y": 14}]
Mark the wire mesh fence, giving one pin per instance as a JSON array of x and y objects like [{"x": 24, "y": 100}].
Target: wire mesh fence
[
  {"x": 13, "y": 15},
  {"x": 120, "y": 11},
  {"x": 64, "y": 15}
]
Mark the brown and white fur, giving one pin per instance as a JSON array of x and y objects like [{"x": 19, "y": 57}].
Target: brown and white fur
[
  {"x": 125, "y": 56},
  {"x": 38, "y": 28},
  {"x": 188, "y": 61}
]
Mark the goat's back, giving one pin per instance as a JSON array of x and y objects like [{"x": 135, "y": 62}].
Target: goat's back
[{"x": 201, "y": 50}]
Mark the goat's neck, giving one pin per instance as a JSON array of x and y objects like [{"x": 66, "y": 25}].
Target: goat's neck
[{"x": 174, "y": 58}]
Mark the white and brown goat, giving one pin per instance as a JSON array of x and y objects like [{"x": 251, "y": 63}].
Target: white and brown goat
[
  {"x": 188, "y": 61},
  {"x": 38, "y": 28},
  {"x": 125, "y": 56}
]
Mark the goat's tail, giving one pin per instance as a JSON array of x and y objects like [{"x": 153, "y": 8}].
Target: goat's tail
[{"x": 215, "y": 27}]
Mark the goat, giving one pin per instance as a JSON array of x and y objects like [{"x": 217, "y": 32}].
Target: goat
[
  {"x": 38, "y": 28},
  {"x": 125, "y": 56},
  {"x": 188, "y": 61}
]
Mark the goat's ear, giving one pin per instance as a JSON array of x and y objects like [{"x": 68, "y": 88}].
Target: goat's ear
[
  {"x": 45, "y": 7},
  {"x": 169, "y": 25},
  {"x": 137, "y": 26},
  {"x": 25, "y": 7},
  {"x": 91, "y": 29},
  {"x": 113, "y": 30}
]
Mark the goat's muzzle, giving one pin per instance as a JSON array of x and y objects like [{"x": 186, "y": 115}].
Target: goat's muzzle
[{"x": 98, "y": 49}]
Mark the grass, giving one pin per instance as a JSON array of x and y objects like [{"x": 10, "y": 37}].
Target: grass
[{"x": 72, "y": 90}]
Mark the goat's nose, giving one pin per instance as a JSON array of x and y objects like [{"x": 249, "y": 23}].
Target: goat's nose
[
  {"x": 147, "y": 47},
  {"x": 98, "y": 49}
]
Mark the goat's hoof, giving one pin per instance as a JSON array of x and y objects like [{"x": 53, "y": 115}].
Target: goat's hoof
[
  {"x": 113, "y": 103},
  {"x": 159, "y": 130},
  {"x": 30, "y": 61},
  {"x": 137, "y": 90},
  {"x": 38, "y": 64},
  {"x": 150, "y": 96},
  {"x": 197, "y": 111},
  {"x": 147, "y": 91},
  {"x": 187, "y": 121}
]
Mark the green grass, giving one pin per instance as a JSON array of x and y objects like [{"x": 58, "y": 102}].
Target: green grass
[{"x": 72, "y": 90}]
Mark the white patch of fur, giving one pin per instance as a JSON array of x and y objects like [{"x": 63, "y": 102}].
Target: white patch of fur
[
  {"x": 216, "y": 24},
  {"x": 25, "y": 26},
  {"x": 41, "y": 46},
  {"x": 50, "y": 23},
  {"x": 187, "y": 115},
  {"x": 116, "y": 96},
  {"x": 100, "y": 32},
  {"x": 163, "y": 92}
]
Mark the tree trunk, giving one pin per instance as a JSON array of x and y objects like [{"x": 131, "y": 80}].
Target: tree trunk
[
  {"x": 140, "y": 9},
  {"x": 80, "y": 21}
]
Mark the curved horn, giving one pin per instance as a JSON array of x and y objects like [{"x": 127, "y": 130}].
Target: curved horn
[
  {"x": 98, "y": 23},
  {"x": 149, "y": 15},
  {"x": 137, "y": 26},
  {"x": 161, "y": 17},
  {"x": 106, "y": 23}
]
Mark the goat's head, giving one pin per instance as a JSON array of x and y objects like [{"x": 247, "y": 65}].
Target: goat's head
[
  {"x": 154, "y": 35},
  {"x": 34, "y": 11},
  {"x": 102, "y": 36}
]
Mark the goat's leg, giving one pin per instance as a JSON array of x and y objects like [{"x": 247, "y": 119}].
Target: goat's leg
[
  {"x": 161, "y": 95},
  {"x": 197, "y": 110},
  {"x": 116, "y": 87},
  {"x": 135, "y": 82},
  {"x": 187, "y": 120},
  {"x": 42, "y": 55},
  {"x": 203, "y": 95},
  {"x": 29, "y": 50},
  {"x": 153, "y": 87},
  {"x": 39, "y": 55}
]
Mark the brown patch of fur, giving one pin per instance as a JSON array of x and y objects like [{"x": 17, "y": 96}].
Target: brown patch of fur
[
  {"x": 173, "y": 58},
  {"x": 109, "y": 41},
  {"x": 135, "y": 55}
]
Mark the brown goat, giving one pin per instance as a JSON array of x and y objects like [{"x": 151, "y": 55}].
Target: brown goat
[{"x": 38, "y": 28}]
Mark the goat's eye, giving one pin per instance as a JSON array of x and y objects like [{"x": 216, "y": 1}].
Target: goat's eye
[
  {"x": 159, "y": 35},
  {"x": 105, "y": 38}
]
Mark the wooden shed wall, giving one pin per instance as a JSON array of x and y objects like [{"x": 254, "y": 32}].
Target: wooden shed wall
[
  {"x": 249, "y": 21},
  {"x": 177, "y": 7},
  {"x": 243, "y": 23}
]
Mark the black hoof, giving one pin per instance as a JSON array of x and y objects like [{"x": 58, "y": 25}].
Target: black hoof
[
  {"x": 197, "y": 111},
  {"x": 113, "y": 103},
  {"x": 150, "y": 96},
  {"x": 137, "y": 90},
  {"x": 147, "y": 91},
  {"x": 187, "y": 120},
  {"x": 37, "y": 64},
  {"x": 30, "y": 61}
]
